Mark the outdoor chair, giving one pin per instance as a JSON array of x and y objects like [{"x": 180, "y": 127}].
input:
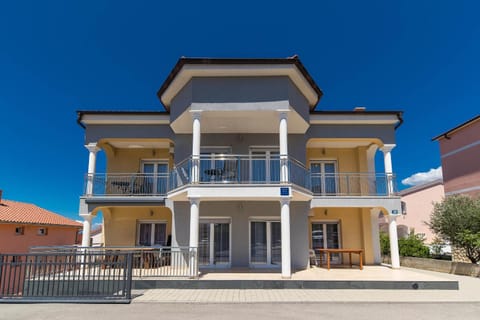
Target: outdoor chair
[{"x": 314, "y": 260}]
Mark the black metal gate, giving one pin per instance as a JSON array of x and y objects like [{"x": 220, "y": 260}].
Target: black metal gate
[{"x": 77, "y": 276}]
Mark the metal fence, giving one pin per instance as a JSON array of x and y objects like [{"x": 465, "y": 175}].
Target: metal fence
[
  {"x": 147, "y": 262},
  {"x": 76, "y": 276}
]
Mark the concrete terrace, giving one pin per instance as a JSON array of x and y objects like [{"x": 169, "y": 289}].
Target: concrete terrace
[
  {"x": 371, "y": 277},
  {"x": 468, "y": 289}
]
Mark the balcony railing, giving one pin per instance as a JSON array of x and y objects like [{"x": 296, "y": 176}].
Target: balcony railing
[
  {"x": 353, "y": 184},
  {"x": 238, "y": 169},
  {"x": 124, "y": 184}
]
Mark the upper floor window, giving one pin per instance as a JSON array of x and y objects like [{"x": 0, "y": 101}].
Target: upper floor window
[
  {"x": 155, "y": 179},
  {"x": 42, "y": 231},
  {"x": 19, "y": 231},
  {"x": 264, "y": 164},
  {"x": 324, "y": 177}
]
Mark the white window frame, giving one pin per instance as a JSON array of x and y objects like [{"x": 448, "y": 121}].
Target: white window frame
[
  {"x": 268, "y": 154},
  {"x": 325, "y": 222},
  {"x": 152, "y": 226},
  {"x": 322, "y": 162},
  {"x": 42, "y": 231},
  {"x": 155, "y": 173},
  {"x": 19, "y": 231},
  {"x": 211, "y": 221},
  {"x": 268, "y": 221}
]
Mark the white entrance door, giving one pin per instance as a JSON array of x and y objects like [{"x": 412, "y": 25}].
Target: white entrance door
[
  {"x": 327, "y": 235},
  {"x": 265, "y": 243},
  {"x": 214, "y": 243},
  {"x": 324, "y": 178},
  {"x": 155, "y": 180},
  {"x": 264, "y": 165}
]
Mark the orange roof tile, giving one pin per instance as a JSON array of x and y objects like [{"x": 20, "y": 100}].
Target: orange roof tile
[{"x": 20, "y": 212}]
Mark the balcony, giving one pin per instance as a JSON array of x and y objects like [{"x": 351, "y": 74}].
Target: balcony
[
  {"x": 353, "y": 184},
  {"x": 126, "y": 184},
  {"x": 240, "y": 170}
]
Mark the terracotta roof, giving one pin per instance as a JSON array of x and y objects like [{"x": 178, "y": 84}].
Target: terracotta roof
[{"x": 20, "y": 212}]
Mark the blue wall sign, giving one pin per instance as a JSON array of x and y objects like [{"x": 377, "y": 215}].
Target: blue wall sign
[{"x": 284, "y": 191}]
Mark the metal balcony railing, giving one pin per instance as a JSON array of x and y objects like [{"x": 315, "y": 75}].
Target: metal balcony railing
[
  {"x": 353, "y": 184},
  {"x": 126, "y": 184},
  {"x": 238, "y": 169}
]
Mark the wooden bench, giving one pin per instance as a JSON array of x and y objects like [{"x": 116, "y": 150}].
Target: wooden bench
[{"x": 341, "y": 251}]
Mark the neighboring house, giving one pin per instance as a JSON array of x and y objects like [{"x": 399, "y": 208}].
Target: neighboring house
[
  {"x": 418, "y": 206},
  {"x": 241, "y": 167},
  {"x": 460, "y": 154},
  {"x": 23, "y": 225}
]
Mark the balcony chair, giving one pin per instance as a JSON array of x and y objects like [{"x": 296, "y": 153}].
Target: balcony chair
[{"x": 229, "y": 171}]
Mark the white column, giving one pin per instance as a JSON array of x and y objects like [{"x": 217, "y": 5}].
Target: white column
[
  {"x": 392, "y": 233},
  {"x": 283, "y": 137},
  {"x": 92, "y": 159},
  {"x": 196, "y": 147},
  {"x": 387, "y": 159},
  {"x": 87, "y": 227},
  {"x": 371, "y": 151},
  {"x": 285, "y": 225},
  {"x": 193, "y": 241},
  {"x": 377, "y": 256}
]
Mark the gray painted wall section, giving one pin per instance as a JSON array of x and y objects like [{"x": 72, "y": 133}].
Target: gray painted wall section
[
  {"x": 93, "y": 133},
  {"x": 240, "y": 143},
  {"x": 239, "y": 90},
  {"x": 386, "y": 133},
  {"x": 240, "y": 213}
]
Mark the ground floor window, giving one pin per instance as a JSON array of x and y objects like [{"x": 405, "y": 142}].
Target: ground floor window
[
  {"x": 326, "y": 234},
  {"x": 152, "y": 233},
  {"x": 214, "y": 242},
  {"x": 265, "y": 242}
]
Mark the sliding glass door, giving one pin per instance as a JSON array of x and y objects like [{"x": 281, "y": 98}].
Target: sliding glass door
[
  {"x": 214, "y": 243},
  {"x": 326, "y": 235},
  {"x": 265, "y": 243}
]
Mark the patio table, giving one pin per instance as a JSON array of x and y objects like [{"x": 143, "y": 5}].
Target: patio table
[{"x": 349, "y": 251}]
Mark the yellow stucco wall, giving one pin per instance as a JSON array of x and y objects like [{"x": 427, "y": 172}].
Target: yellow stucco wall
[
  {"x": 348, "y": 160},
  {"x": 120, "y": 223},
  {"x": 355, "y": 228},
  {"x": 129, "y": 160}
]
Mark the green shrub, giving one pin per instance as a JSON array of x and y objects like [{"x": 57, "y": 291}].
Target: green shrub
[{"x": 412, "y": 246}]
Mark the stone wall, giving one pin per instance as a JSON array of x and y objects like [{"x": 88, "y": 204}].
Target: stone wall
[{"x": 458, "y": 268}]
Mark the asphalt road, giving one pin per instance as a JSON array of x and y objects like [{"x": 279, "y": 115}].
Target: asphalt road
[{"x": 278, "y": 311}]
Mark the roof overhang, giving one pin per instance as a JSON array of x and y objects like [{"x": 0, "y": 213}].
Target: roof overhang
[
  {"x": 356, "y": 118},
  {"x": 122, "y": 117},
  {"x": 188, "y": 68},
  {"x": 454, "y": 130}
]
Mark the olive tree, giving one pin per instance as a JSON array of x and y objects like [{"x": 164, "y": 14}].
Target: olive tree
[{"x": 457, "y": 220}]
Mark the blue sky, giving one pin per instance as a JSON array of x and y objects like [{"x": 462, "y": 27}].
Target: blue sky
[{"x": 57, "y": 57}]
